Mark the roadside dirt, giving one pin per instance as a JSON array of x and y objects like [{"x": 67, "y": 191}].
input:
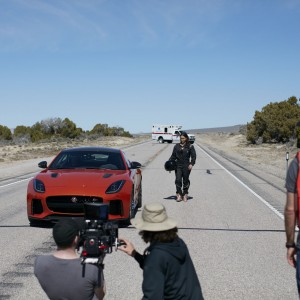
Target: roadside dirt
[
  {"x": 13, "y": 153},
  {"x": 264, "y": 156}
]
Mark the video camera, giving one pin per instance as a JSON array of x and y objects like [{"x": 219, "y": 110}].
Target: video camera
[{"x": 98, "y": 236}]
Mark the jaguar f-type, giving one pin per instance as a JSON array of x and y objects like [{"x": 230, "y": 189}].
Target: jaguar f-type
[{"x": 85, "y": 175}]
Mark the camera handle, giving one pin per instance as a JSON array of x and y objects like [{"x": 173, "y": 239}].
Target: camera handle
[
  {"x": 118, "y": 243},
  {"x": 83, "y": 270},
  {"x": 99, "y": 263}
]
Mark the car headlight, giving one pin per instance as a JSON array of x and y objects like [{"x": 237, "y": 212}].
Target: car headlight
[
  {"x": 39, "y": 186},
  {"x": 115, "y": 187}
]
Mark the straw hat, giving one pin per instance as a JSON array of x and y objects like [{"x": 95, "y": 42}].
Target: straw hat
[{"x": 154, "y": 218}]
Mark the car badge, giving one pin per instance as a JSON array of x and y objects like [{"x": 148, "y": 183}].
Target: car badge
[{"x": 74, "y": 199}]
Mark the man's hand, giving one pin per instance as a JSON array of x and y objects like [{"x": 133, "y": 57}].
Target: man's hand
[
  {"x": 190, "y": 167},
  {"x": 128, "y": 248},
  {"x": 291, "y": 252}
]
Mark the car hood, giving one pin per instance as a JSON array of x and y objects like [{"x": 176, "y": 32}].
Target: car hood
[{"x": 82, "y": 177}]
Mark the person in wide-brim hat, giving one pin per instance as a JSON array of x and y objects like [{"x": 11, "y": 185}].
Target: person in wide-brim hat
[
  {"x": 154, "y": 218},
  {"x": 166, "y": 258}
]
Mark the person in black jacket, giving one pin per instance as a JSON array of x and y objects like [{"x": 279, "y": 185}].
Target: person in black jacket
[
  {"x": 168, "y": 270},
  {"x": 185, "y": 156}
]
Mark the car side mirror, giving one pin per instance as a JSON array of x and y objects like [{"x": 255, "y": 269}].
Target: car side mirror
[
  {"x": 42, "y": 164},
  {"x": 135, "y": 165}
]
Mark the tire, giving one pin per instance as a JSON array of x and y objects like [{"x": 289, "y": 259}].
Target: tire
[
  {"x": 132, "y": 210},
  {"x": 39, "y": 223},
  {"x": 140, "y": 201},
  {"x": 161, "y": 140}
]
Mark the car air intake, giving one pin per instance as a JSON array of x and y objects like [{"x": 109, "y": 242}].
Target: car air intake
[{"x": 36, "y": 207}]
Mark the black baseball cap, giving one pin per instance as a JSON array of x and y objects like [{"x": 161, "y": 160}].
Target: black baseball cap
[{"x": 65, "y": 231}]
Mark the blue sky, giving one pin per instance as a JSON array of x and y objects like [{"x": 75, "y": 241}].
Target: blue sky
[{"x": 133, "y": 63}]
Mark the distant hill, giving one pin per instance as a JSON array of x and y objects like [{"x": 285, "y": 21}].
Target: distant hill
[{"x": 228, "y": 129}]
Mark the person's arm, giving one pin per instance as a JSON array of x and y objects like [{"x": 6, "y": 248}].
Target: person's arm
[
  {"x": 130, "y": 250},
  {"x": 100, "y": 291},
  {"x": 290, "y": 216},
  {"x": 154, "y": 279},
  {"x": 193, "y": 155},
  {"x": 173, "y": 156}
]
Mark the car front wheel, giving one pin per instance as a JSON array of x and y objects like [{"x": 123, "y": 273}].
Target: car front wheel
[
  {"x": 139, "y": 205},
  {"x": 132, "y": 209},
  {"x": 39, "y": 223}
]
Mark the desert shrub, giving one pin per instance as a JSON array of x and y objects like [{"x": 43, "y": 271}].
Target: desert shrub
[
  {"x": 5, "y": 133},
  {"x": 126, "y": 134},
  {"x": 105, "y": 130},
  {"x": 275, "y": 123},
  {"x": 56, "y": 128},
  {"x": 21, "y": 130},
  {"x": 52, "y": 126},
  {"x": 118, "y": 131},
  {"x": 69, "y": 129},
  {"x": 100, "y": 130},
  {"x": 22, "y": 134},
  {"x": 37, "y": 132}
]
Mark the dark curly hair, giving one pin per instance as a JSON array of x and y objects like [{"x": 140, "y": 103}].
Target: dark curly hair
[{"x": 166, "y": 236}]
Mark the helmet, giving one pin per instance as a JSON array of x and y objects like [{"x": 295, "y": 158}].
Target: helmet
[{"x": 170, "y": 165}]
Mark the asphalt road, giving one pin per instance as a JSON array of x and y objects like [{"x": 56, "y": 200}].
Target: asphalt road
[{"x": 232, "y": 224}]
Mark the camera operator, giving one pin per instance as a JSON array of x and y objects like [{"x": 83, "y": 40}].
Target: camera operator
[
  {"x": 60, "y": 274},
  {"x": 168, "y": 270}
]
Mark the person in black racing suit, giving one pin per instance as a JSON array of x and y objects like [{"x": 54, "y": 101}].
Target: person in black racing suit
[{"x": 185, "y": 156}]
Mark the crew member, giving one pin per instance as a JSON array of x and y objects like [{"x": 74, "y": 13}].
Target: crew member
[
  {"x": 168, "y": 269},
  {"x": 60, "y": 274},
  {"x": 291, "y": 215}
]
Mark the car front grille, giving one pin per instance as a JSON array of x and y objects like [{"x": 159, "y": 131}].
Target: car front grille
[{"x": 70, "y": 204}]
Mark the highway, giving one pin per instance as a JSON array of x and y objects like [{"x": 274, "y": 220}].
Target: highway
[{"x": 232, "y": 225}]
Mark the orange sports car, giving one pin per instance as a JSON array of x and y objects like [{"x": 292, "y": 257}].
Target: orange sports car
[{"x": 85, "y": 175}]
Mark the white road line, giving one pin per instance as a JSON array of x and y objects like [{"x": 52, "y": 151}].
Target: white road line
[
  {"x": 6, "y": 185},
  {"x": 279, "y": 214}
]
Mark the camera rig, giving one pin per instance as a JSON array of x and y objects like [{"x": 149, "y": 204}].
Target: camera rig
[{"x": 98, "y": 236}]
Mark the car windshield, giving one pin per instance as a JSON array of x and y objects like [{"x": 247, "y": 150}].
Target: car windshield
[{"x": 88, "y": 160}]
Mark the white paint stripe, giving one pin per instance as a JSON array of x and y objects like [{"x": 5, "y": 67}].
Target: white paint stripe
[
  {"x": 278, "y": 213},
  {"x": 3, "y": 186}
]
